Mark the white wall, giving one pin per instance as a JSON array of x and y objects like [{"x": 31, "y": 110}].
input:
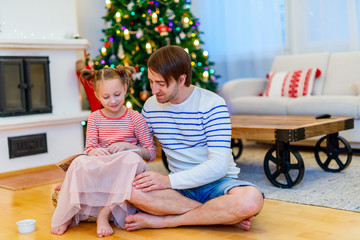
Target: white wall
[
  {"x": 90, "y": 22},
  {"x": 38, "y": 19}
]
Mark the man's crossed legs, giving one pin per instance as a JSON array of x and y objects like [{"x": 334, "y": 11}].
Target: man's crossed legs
[{"x": 169, "y": 208}]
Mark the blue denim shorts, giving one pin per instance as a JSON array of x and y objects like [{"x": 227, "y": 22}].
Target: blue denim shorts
[{"x": 215, "y": 189}]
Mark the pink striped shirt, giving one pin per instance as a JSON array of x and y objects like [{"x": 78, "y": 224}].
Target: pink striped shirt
[{"x": 103, "y": 131}]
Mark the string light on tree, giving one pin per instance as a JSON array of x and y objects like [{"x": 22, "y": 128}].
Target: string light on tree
[
  {"x": 185, "y": 22},
  {"x": 108, "y": 3},
  {"x": 118, "y": 17},
  {"x": 205, "y": 54},
  {"x": 103, "y": 51},
  {"x": 196, "y": 43},
  {"x": 154, "y": 18},
  {"x": 129, "y": 104},
  {"x": 206, "y": 75},
  {"x": 126, "y": 34},
  {"x": 148, "y": 48}
]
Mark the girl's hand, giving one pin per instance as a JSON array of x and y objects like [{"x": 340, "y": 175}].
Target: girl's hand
[
  {"x": 119, "y": 146},
  {"x": 98, "y": 152}
]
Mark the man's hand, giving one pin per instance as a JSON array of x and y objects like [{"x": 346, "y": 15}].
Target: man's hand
[
  {"x": 98, "y": 152},
  {"x": 149, "y": 181}
]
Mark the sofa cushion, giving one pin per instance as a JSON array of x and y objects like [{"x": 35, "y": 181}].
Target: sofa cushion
[
  {"x": 286, "y": 63},
  {"x": 258, "y": 105},
  {"x": 343, "y": 70},
  {"x": 291, "y": 84},
  {"x": 344, "y": 106}
]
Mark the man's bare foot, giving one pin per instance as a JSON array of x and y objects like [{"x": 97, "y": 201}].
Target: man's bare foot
[
  {"x": 244, "y": 224},
  {"x": 144, "y": 220},
  {"x": 104, "y": 228},
  {"x": 60, "y": 230}
]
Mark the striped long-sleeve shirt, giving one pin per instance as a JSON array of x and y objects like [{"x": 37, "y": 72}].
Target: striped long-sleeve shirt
[
  {"x": 103, "y": 131},
  {"x": 196, "y": 137}
]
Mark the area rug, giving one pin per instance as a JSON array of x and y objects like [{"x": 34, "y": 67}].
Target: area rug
[
  {"x": 319, "y": 188},
  {"x": 32, "y": 179}
]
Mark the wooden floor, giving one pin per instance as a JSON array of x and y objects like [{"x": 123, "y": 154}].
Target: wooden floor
[{"x": 278, "y": 220}]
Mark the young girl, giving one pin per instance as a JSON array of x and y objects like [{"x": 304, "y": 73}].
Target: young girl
[{"x": 99, "y": 183}]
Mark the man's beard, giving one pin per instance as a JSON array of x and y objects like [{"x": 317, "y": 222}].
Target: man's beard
[{"x": 173, "y": 95}]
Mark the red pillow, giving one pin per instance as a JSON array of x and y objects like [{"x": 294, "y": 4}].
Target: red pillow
[{"x": 291, "y": 84}]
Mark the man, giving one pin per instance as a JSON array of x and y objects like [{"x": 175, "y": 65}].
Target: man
[{"x": 193, "y": 127}]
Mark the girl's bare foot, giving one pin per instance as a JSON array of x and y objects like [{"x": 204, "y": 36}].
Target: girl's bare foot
[
  {"x": 60, "y": 230},
  {"x": 104, "y": 228},
  {"x": 58, "y": 187}
]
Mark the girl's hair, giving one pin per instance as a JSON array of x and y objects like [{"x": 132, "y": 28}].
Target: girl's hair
[
  {"x": 123, "y": 73},
  {"x": 171, "y": 61}
]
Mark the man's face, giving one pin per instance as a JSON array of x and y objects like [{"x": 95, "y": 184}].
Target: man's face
[{"x": 162, "y": 92}]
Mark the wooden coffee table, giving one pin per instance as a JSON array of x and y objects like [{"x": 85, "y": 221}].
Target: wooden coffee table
[{"x": 283, "y": 165}]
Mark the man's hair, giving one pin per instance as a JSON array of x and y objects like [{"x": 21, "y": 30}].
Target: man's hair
[{"x": 171, "y": 61}]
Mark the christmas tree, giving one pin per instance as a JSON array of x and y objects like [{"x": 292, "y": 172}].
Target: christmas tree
[{"x": 136, "y": 28}]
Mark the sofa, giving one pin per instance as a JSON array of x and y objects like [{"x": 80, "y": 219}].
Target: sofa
[{"x": 335, "y": 91}]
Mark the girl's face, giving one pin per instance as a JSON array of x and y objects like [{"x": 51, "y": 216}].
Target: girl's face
[{"x": 111, "y": 93}]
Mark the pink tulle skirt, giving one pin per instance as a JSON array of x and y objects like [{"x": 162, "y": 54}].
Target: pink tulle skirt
[{"x": 93, "y": 182}]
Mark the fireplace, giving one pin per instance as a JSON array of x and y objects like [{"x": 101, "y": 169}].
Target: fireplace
[
  {"x": 40, "y": 107},
  {"x": 25, "y": 85}
]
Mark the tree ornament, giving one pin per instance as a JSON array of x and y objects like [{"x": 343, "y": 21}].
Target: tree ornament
[
  {"x": 147, "y": 22},
  {"x": 139, "y": 34},
  {"x": 170, "y": 14},
  {"x": 182, "y": 35},
  {"x": 167, "y": 39},
  {"x": 137, "y": 76},
  {"x": 130, "y": 5},
  {"x": 144, "y": 94},
  {"x": 112, "y": 58},
  {"x": 126, "y": 61},
  {"x": 121, "y": 53},
  {"x": 177, "y": 39},
  {"x": 163, "y": 29}
]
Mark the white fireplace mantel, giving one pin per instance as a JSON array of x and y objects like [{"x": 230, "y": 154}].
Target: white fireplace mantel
[
  {"x": 63, "y": 129},
  {"x": 54, "y": 44}
]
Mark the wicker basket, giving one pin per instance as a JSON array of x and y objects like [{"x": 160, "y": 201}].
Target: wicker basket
[{"x": 54, "y": 199}]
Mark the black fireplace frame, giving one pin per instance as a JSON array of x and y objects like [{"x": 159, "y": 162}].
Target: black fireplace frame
[{"x": 25, "y": 85}]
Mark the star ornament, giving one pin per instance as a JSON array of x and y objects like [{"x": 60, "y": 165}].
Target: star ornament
[{"x": 163, "y": 29}]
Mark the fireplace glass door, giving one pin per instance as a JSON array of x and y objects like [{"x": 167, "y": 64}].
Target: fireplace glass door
[{"x": 24, "y": 86}]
